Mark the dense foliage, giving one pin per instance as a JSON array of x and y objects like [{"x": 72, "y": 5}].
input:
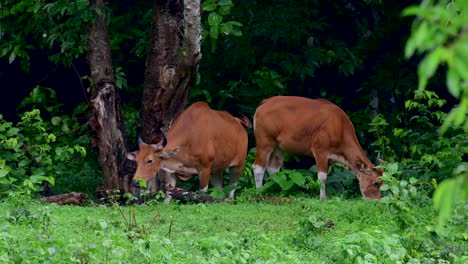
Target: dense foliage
[{"x": 362, "y": 55}]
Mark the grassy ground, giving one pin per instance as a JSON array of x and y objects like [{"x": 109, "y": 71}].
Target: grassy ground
[{"x": 302, "y": 231}]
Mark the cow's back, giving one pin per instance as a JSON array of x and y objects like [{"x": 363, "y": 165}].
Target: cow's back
[
  {"x": 294, "y": 121},
  {"x": 207, "y": 132}
]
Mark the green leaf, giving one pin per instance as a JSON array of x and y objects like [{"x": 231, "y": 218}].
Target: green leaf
[
  {"x": 453, "y": 82},
  {"x": 56, "y": 120},
  {"x": 5, "y": 51},
  {"x": 234, "y": 23},
  {"x": 12, "y": 57},
  {"x": 225, "y": 3},
  {"x": 461, "y": 67},
  {"x": 214, "y": 19},
  {"x": 214, "y": 32},
  {"x": 3, "y": 172},
  {"x": 444, "y": 199},
  {"x": 416, "y": 39},
  {"x": 12, "y": 131},
  {"x": 224, "y": 10},
  {"x": 209, "y": 5},
  {"x": 411, "y": 11},
  {"x": 280, "y": 179},
  {"x": 226, "y": 28},
  {"x": 430, "y": 63},
  {"x": 297, "y": 178}
]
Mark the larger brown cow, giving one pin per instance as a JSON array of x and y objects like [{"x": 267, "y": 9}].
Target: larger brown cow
[
  {"x": 202, "y": 141},
  {"x": 315, "y": 128}
]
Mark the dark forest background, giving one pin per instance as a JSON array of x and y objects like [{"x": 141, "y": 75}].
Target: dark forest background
[{"x": 349, "y": 52}]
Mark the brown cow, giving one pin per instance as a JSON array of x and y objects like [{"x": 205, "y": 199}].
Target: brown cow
[
  {"x": 315, "y": 128},
  {"x": 202, "y": 141}
]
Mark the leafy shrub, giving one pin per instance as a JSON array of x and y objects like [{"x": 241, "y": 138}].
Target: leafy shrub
[
  {"x": 52, "y": 150},
  {"x": 422, "y": 152},
  {"x": 371, "y": 246}
]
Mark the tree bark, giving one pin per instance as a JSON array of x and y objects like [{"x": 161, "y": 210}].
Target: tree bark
[
  {"x": 106, "y": 119},
  {"x": 171, "y": 68},
  {"x": 172, "y": 64}
]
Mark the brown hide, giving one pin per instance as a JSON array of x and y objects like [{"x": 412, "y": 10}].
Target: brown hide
[
  {"x": 316, "y": 128},
  {"x": 201, "y": 141}
]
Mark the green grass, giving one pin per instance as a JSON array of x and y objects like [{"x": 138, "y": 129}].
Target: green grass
[{"x": 303, "y": 231}]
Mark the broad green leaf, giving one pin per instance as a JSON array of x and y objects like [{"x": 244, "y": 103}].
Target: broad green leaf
[
  {"x": 453, "y": 82},
  {"x": 461, "y": 67},
  {"x": 416, "y": 39},
  {"x": 444, "y": 199},
  {"x": 412, "y": 11},
  {"x": 209, "y": 5},
  {"x": 226, "y": 28},
  {"x": 430, "y": 63},
  {"x": 12, "y": 131},
  {"x": 236, "y": 32},
  {"x": 297, "y": 178},
  {"x": 3, "y": 172},
  {"x": 56, "y": 120},
  {"x": 214, "y": 32},
  {"x": 224, "y": 10},
  {"x": 12, "y": 57},
  {"x": 234, "y": 23},
  {"x": 5, "y": 51},
  {"x": 225, "y": 3},
  {"x": 214, "y": 19},
  {"x": 280, "y": 179}
]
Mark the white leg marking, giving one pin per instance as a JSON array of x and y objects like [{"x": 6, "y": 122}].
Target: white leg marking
[
  {"x": 258, "y": 173},
  {"x": 204, "y": 189},
  {"x": 322, "y": 176},
  {"x": 272, "y": 170},
  {"x": 231, "y": 193}
]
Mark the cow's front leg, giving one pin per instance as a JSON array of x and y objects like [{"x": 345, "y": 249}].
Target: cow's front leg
[{"x": 170, "y": 180}]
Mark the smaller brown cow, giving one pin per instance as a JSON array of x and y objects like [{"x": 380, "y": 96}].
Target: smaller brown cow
[
  {"x": 315, "y": 128},
  {"x": 202, "y": 141}
]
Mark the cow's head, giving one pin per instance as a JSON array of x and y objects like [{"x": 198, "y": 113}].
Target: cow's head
[
  {"x": 148, "y": 158},
  {"x": 369, "y": 182}
]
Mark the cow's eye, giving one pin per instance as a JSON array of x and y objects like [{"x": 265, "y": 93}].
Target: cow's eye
[
  {"x": 377, "y": 184},
  {"x": 149, "y": 161}
]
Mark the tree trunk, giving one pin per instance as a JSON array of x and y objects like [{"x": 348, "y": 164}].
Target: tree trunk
[
  {"x": 106, "y": 119},
  {"x": 171, "y": 67},
  {"x": 172, "y": 64}
]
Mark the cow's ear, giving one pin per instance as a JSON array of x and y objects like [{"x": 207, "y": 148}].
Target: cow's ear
[
  {"x": 131, "y": 156},
  {"x": 169, "y": 154}
]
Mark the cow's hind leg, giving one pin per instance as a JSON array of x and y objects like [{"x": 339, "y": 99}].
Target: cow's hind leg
[
  {"x": 321, "y": 159},
  {"x": 204, "y": 179},
  {"x": 261, "y": 162},
  {"x": 235, "y": 172},
  {"x": 275, "y": 161},
  {"x": 216, "y": 179}
]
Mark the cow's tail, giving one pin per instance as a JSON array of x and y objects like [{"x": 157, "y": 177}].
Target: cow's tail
[{"x": 245, "y": 121}]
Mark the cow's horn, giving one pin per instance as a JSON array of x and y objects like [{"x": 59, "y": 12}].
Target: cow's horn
[{"x": 164, "y": 143}]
